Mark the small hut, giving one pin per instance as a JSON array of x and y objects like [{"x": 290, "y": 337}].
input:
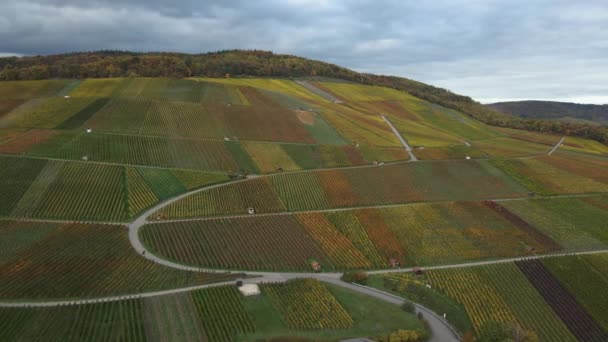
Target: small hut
[
  {"x": 417, "y": 271},
  {"x": 393, "y": 262},
  {"x": 250, "y": 211},
  {"x": 315, "y": 266}
]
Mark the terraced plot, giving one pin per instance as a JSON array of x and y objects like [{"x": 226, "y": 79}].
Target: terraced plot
[
  {"x": 212, "y": 314},
  {"x": 388, "y": 184},
  {"x": 501, "y": 293},
  {"x": 30, "y": 89},
  {"x": 307, "y": 304},
  {"x": 419, "y": 234},
  {"x": 53, "y": 260},
  {"x": 572, "y": 222},
  {"x": 45, "y": 113},
  {"x": 38, "y": 188},
  {"x": 548, "y": 175},
  {"x": 584, "y": 277}
]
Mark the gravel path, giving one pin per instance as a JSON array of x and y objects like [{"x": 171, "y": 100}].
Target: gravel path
[
  {"x": 319, "y": 92},
  {"x": 407, "y": 146},
  {"x": 559, "y": 143}
]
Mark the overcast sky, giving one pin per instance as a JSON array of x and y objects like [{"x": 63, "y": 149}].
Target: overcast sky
[{"x": 489, "y": 50}]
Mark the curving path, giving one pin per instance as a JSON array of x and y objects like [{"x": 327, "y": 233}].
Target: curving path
[{"x": 441, "y": 329}]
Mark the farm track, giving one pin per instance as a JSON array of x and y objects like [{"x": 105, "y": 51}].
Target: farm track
[
  {"x": 559, "y": 143},
  {"x": 407, "y": 146},
  {"x": 381, "y": 206},
  {"x": 318, "y": 91},
  {"x": 441, "y": 330}
]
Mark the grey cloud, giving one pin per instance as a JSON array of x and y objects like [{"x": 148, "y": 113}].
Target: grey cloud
[{"x": 484, "y": 49}]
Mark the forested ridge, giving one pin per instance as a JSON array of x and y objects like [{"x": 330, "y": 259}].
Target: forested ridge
[
  {"x": 554, "y": 110},
  {"x": 259, "y": 63}
]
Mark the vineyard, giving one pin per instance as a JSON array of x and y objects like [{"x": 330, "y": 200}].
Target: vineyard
[
  {"x": 310, "y": 185},
  {"x": 307, "y": 304},
  {"x": 212, "y": 314},
  {"x": 573, "y": 223},
  {"x": 417, "y": 234},
  {"x": 37, "y": 188},
  {"x": 552, "y": 175},
  {"x": 388, "y": 184},
  {"x": 500, "y": 293},
  {"x": 557, "y": 298},
  {"x": 575, "y": 317},
  {"x": 61, "y": 257}
]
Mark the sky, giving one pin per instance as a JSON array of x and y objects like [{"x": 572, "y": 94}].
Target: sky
[{"x": 489, "y": 50}]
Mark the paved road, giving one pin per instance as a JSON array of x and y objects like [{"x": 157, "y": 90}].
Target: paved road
[
  {"x": 41, "y": 304},
  {"x": 407, "y": 146},
  {"x": 319, "y": 92},
  {"x": 559, "y": 143}
]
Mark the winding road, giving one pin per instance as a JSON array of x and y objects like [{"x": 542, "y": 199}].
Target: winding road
[{"x": 440, "y": 328}]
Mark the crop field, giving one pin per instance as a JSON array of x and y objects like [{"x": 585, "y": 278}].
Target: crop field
[
  {"x": 580, "y": 165},
  {"x": 509, "y": 147},
  {"x": 584, "y": 277},
  {"x": 22, "y": 143},
  {"x": 585, "y": 146},
  {"x": 423, "y": 135},
  {"x": 307, "y": 304},
  {"x": 140, "y": 150},
  {"x": 58, "y": 260},
  {"x": 100, "y": 87},
  {"x": 539, "y": 138},
  {"x": 449, "y": 152},
  {"x": 234, "y": 198},
  {"x": 381, "y": 185},
  {"x": 45, "y": 113},
  {"x": 355, "y": 92},
  {"x": 212, "y": 314},
  {"x": 500, "y": 293},
  {"x": 30, "y": 89},
  {"x": 277, "y": 242},
  {"x": 359, "y": 128},
  {"x": 566, "y": 307},
  {"x": 548, "y": 175},
  {"x": 52, "y": 189},
  {"x": 572, "y": 222},
  {"x": 286, "y": 87},
  {"x": 419, "y": 234}
]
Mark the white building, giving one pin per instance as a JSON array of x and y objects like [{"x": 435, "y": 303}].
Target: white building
[{"x": 250, "y": 290}]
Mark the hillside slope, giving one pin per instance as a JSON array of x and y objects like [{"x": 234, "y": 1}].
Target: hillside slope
[
  {"x": 261, "y": 64},
  {"x": 554, "y": 110}
]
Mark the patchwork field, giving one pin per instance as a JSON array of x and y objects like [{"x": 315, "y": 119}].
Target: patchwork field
[
  {"x": 314, "y": 177},
  {"x": 214, "y": 314},
  {"x": 381, "y": 185},
  {"x": 58, "y": 260},
  {"x": 413, "y": 235},
  {"x": 549, "y": 297},
  {"x": 53, "y": 189}
]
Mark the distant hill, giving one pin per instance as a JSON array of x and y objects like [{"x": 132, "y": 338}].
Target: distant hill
[
  {"x": 257, "y": 63},
  {"x": 554, "y": 110}
]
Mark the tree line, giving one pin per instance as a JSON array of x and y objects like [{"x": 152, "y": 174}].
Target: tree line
[{"x": 259, "y": 63}]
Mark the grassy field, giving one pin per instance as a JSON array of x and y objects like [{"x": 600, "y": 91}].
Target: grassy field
[
  {"x": 57, "y": 260},
  {"x": 214, "y": 314}
]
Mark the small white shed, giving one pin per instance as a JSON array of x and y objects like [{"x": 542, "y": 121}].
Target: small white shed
[{"x": 250, "y": 290}]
